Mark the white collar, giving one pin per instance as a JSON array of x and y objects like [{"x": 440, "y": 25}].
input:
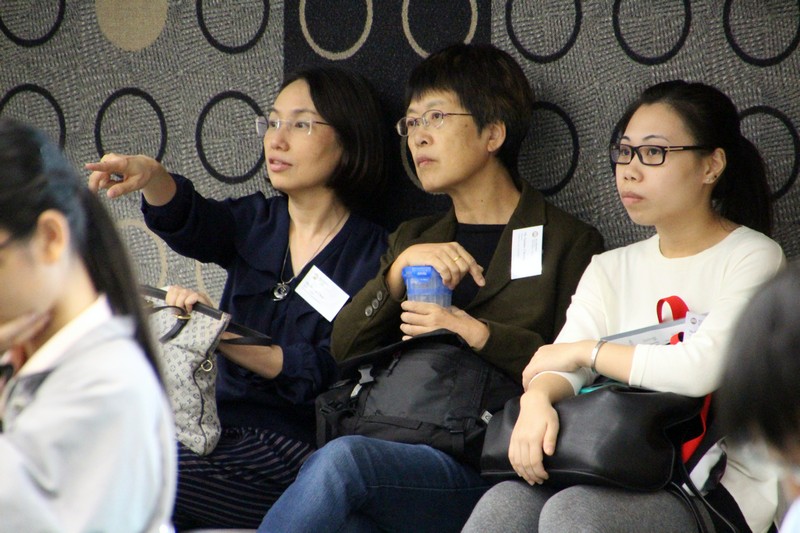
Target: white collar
[{"x": 51, "y": 351}]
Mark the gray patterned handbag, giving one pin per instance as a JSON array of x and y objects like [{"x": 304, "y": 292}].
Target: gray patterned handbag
[{"x": 187, "y": 348}]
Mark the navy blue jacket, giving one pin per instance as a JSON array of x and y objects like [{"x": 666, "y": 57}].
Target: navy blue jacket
[{"x": 248, "y": 237}]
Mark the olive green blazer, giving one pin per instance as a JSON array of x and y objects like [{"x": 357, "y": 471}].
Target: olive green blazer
[{"x": 522, "y": 314}]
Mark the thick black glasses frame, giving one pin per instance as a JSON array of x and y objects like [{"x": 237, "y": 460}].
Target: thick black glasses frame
[{"x": 615, "y": 149}]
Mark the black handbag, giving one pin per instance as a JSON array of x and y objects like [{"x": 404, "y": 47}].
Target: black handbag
[
  {"x": 431, "y": 389},
  {"x": 616, "y": 435}
]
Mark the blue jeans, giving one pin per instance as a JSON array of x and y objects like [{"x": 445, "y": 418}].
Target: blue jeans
[{"x": 360, "y": 484}]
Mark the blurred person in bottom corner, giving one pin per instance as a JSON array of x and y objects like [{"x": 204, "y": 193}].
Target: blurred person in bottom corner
[
  {"x": 759, "y": 401},
  {"x": 87, "y": 440}
]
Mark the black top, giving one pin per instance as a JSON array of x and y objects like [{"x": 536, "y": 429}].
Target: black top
[{"x": 480, "y": 240}]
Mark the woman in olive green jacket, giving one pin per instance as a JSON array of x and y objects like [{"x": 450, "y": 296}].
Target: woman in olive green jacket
[{"x": 520, "y": 315}]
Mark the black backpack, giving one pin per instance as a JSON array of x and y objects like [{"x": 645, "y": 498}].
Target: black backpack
[{"x": 431, "y": 389}]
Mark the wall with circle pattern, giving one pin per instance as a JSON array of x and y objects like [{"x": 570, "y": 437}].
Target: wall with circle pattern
[{"x": 181, "y": 81}]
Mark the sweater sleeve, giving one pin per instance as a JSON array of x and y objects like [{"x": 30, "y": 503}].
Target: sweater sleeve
[
  {"x": 585, "y": 319},
  {"x": 194, "y": 226},
  {"x": 372, "y": 318},
  {"x": 695, "y": 367}
]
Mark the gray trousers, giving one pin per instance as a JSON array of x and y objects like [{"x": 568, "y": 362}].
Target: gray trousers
[{"x": 516, "y": 507}]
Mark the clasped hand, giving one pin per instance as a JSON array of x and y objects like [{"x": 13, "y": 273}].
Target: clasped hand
[
  {"x": 423, "y": 317},
  {"x": 449, "y": 259},
  {"x": 536, "y": 431},
  {"x": 186, "y": 298},
  {"x": 562, "y": 357}
]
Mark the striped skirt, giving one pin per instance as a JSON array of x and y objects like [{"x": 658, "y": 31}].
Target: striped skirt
[{"x": 235, "y": 485}]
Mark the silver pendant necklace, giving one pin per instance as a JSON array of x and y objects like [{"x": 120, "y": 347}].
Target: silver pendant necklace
[{"x": 282, "y": 289}]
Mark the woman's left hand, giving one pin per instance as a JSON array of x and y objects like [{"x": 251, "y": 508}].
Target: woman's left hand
[
  {"x": 423, "y": 317},
  {"x": 186, "y": 298},
  {"x": 563, "y": 357}
]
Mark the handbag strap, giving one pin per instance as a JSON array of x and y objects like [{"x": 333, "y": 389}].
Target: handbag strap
[
  {"x": 679, "y": 309},
  {"x": 677, "y": 306},
  {"x": 689, "y": 447},
  {"x": 246, "y": 336},
  {"x": 685, "y": 479},
  {"x": 181, "y": 319}
]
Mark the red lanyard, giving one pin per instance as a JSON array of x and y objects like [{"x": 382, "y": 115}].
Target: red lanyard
[{"x": 679, "y": 310}]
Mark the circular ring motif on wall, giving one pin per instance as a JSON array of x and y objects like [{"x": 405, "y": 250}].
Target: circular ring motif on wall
[
  {"x": 130, "y": 91},
  {"x": 137, "y": 224},
  {"x": 327, "y": 54},
  {"x": 29, "y": 43},
  {"x": 29, "y": 87},
  {"x": 757, "y": 61},
  {"x": 473, "y": 25},
  {"x": 573, "y": 133},
  {"x": 201, "y": 21},
  {"x": 653, "y": 60},
  {"x": 774, "y": 113},
  {"x": 544, "y": 58},
  {"x": 198, "y": 136}
]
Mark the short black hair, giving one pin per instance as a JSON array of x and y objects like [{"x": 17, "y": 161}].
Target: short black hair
[
  {"x": 350, "y": 104},
  {"x": 488, "y": 83}
]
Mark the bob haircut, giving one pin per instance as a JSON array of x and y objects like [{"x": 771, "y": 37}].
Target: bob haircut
[
  {"x": 349, "y": 103},
  {"x": 488, "y": 83}
]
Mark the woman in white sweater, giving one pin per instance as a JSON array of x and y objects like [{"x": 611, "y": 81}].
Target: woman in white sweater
[
  {"x": 683, "y": 167},
  {"x": 87, "y": 441}
]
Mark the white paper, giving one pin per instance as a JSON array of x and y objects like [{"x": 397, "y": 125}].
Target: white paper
[
  {"x": 660, "y": 333},
  {"x": 526, "y": 252},
  {"x": 321, "y": 293}
]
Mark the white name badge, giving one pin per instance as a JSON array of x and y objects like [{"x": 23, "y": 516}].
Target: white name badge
[
  {"x": 322, "y": 293},
  {"x": 526, "y": 252}
]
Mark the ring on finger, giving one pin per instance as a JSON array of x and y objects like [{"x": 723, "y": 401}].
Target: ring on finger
[{"x": 456, "y": 258}]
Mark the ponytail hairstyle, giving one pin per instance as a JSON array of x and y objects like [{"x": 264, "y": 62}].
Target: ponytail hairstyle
[
  {"x": 35, "y": 176},
  {"x": 741, "y": 193}
]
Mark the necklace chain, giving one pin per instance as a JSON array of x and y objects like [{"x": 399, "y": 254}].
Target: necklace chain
[{"x": 282, "y": 288}]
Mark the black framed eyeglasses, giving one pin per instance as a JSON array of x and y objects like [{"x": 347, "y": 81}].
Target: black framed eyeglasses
[
  {"x": 431, "y": 117},
  {"x": 266, "y": 125},
  {"x": 651, "y": 155}
]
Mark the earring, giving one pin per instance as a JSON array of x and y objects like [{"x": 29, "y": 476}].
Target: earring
[{"x": 711, "y": 179}]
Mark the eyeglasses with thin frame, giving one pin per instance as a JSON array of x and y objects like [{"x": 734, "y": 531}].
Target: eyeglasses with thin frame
[
  {"x": 431, "y": 117},
  {"x": 266, "y": 125},
  {"x": 651, "y": 155}
]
